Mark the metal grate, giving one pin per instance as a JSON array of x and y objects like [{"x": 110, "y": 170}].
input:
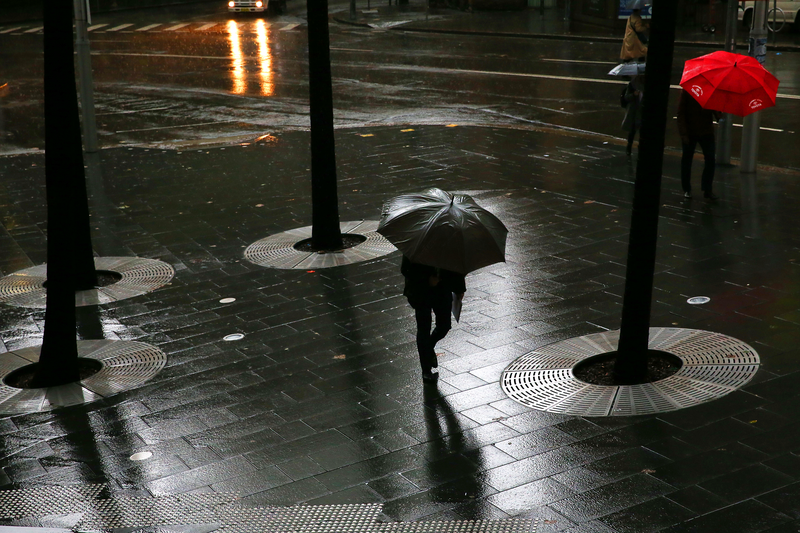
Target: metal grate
[
  {"x": 126, "y": 365},
  {"x": 24, "y": 288},
  {"x": 713, "y": 365},
  {"x": 277, "y": 251}
]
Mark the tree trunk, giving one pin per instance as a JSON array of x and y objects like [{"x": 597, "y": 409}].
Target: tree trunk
[
  {"x": 631, "y": 363},
  {"x": 325, "y": 232},
  {"x": 69, "y": 250}
]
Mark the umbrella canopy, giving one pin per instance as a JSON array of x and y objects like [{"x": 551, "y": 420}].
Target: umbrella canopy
[
  {"x": 444, "y": 230},
  {"x": 627, "y": 69},
  {"x": 731, "y": 83}
]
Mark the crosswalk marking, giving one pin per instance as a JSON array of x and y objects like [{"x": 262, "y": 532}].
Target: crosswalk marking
[
  {"x": 150, "y": 27},
  {"x": 177, "y": 26},
  {"x": 158, "y": 27},
  {"x": 121, "y": 26}
]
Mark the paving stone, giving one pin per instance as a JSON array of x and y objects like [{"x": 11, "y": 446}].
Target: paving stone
[{"x": 280, "y": 419}]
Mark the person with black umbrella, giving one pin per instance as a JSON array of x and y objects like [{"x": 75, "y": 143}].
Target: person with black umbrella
[
  {"x": 443, "y": 237},
  {"x": 431, "y": 290}
]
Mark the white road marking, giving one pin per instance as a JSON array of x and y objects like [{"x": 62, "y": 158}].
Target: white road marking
[
  {"x": 206, "y": 26},
  {"x": 33, "y": 30},
  {"x": 289, "y": 27},
  {"x": 741, "y": 126},
  {"x": 578, "y": 61},
  {"x": 761, "y": 128},
  {"x": 180, "y": 126},
  {"x": 350, "y": 50},
  {"x": 177, "y": 26},
  {"x": 96, "y": 26},
  {"x": 133, "y": 111},
  {"x": 11, "y": 29},
  {"x": 528, "y": 75},
  {"x": 120, "y": 27},
  {"x": 150, "y": 27}
]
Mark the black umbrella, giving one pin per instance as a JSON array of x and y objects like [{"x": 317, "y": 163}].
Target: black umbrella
[{"x": 444, "y": 230}]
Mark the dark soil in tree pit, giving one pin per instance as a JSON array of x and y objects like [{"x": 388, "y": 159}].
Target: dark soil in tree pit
[
  {"x": 599, "y": 369},
  {"x": 348, "y": 240},
  {"x": 104, "y": 278},
  {"x": 21, "y": 378},
  {"x": 107, "y": 277}
]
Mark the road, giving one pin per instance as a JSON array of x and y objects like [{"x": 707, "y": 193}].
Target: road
[{"x": 195, "y": 76}]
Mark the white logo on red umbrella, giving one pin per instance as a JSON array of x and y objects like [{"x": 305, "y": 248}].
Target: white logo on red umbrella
[
  {"x": 697, "y": 90},
  {"x": 756, "y": 103}
]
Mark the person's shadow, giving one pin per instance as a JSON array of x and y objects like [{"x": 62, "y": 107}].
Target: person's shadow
[{"x": 453, "y": 452}]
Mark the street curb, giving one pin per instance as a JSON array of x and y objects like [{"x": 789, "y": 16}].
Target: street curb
[{"x": 553, "y": 36}]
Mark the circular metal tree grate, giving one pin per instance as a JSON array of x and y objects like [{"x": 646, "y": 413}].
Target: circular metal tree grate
[
  {"x": 126, "y": 365},
  {"x": 25, "y": 288},
  {"x": 713, "y": 365},
  {"x": 277, "y": 251}
]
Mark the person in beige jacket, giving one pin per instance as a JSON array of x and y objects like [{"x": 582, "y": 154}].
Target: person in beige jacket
[{"x": 633, "y": 49}]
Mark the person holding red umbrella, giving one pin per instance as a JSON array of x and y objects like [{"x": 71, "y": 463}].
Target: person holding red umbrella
[
  {"x": 719, "y": 82},
  {"x": 696, "y": 126}
]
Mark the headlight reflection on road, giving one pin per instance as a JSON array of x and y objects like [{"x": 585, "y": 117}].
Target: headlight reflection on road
[
  {"x": 265, "y": 56},
  {"x": 238, "y": 71},
  {"x": 237, "y": 60}
]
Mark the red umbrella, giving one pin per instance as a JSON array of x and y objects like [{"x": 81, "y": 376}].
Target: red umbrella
[{"x": 731, "y": 83}]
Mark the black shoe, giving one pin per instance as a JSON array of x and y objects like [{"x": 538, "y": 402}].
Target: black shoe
[
  {"x": 710, "y": 196},
  {"x": 687, "y": 194},
  {"x": 429, "y": 377}
]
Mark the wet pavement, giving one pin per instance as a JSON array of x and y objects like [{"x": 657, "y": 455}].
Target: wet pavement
[
  {"x": 533, "y": 24},
  {"x": 321, "y": 401}
]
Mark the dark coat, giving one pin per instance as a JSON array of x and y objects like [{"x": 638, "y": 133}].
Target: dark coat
[
  {"x": 693, "y": 120},
  {"x": 418, "y": 288},
  {"x": 633, "y": 111}
]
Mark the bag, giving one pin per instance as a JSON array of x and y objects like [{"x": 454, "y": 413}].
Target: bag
[
  {"x": 641, "y": 36},
  {"x": 622, "y": 101}
]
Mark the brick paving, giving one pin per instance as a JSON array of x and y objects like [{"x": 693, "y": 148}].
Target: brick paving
[{"x": 322, "y": 400}]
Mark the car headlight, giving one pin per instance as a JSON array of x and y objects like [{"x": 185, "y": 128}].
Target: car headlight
[
  {"x": 231, "y": 3},
  {"x": 259, "y": 3}
]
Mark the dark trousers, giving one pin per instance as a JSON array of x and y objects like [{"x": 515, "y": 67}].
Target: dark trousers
[
  {"x": 708, "y": 146},
  {"x": 426, "y": 340},
  {"x": 631, "y": 136}
]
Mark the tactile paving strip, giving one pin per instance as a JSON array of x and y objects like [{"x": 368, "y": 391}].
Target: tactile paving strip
[
  {"x": 713, "y": 365},
  {"x": 47, "y": 500},
  {"x": 121, "y": 513},
  {"x": 24, "y": 288},
  {"x": 343, "y": 518},
  {"x": 511, "y": 525},
  {"x": 126, "y": 365},
  {"x": 165, "y": 510},
  {"x": 277, "y": 251}
]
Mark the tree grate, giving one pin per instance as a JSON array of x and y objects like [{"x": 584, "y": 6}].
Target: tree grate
[
  {"x": 126, "y": 365},
  {"x": 277, "y": 251},
  {"x": 714, "y": 365},
  {"x": 25, "y": 288}
]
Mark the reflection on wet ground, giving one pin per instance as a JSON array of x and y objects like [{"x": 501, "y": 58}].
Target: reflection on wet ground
[
  {"x": 246, "y": 75},
  {"x": 321, "y": 400}
]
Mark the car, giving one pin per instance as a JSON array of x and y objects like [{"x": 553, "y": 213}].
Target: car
[
  {"x": 787, "y": 13},
  {"x": 252, "y": 6}
]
